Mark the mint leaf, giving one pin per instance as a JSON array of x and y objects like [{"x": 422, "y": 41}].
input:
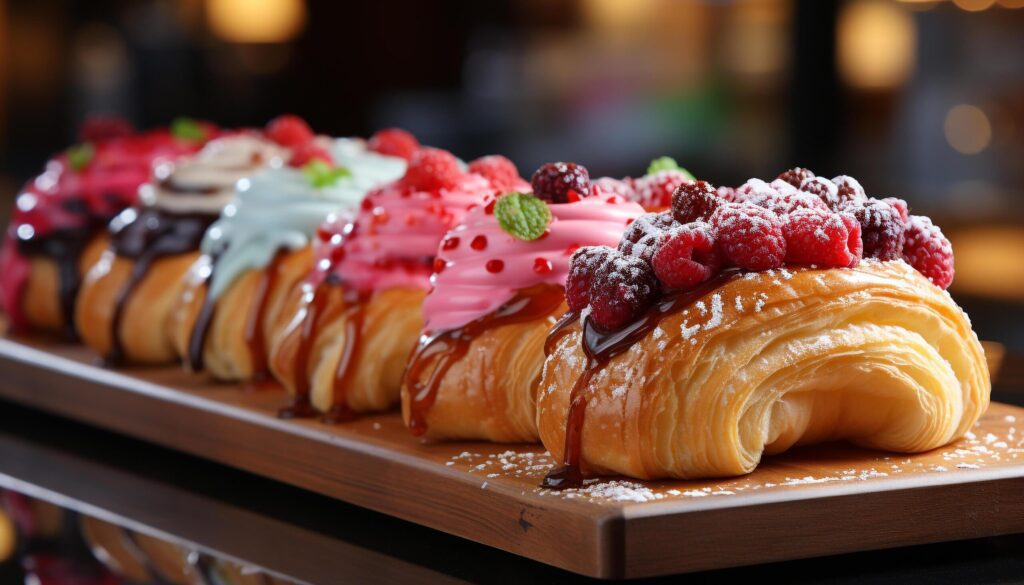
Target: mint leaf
[
  {"x": 522, "y": 216},
  {"x": 187, "y": 129},
  {"x": 320, "y": 174},
  {"x": 80, "y": 155},
  {"x": 667, "y": 163}
]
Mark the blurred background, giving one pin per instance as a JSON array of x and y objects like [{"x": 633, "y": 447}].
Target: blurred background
[{"x": 922, "y": 100}]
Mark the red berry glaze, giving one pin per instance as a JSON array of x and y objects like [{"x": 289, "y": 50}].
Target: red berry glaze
[
  {"x": 928, "y": 251},
  {"x": 749, "y": 237},
  {"x": 500, "y": 171},
  {"x": 687, "y": 257},
  {"x": 394, "y": 142},
  {"x": 433, "y": 168},
  {"x": 695, "y": 201},
  {"x": 289, "y": 130},
  {"x": 881, "y": 228},
  {"x": 553, "y": 182},
  {"x": 821, "y": 238}
]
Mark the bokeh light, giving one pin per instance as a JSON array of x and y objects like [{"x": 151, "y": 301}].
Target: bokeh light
[
  {"x": 256, "y": 21},
  {"x": 968, "y": 129},
  {"x": 875, "y": 44}
]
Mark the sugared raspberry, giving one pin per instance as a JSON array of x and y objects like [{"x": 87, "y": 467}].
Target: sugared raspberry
[
  {"x": 749, "y": 237},
  {"x": 289, "y": 130},
  {"x": 881, "y": 228},
  {"x": 823, "y": 238},
  {"x": 695, "y": 201},
  {"x": 642, "y": 237},
  {"x": 901, "y": 206},
  {"x": 501, "y": 172},
  {"x": 848, "y": 190},
  {"x": 751, "y": 188},
  {"x": 96, "y": 128},
  {"x": 782, "y": 204},
  {"x": 623, "y": 287},
  {"x": 610, "y": 186},
  {"x": 433, "y": 168},
  {"x": 561, "y": 182},
  {"x": 727, "y": 194},
  {"x": 687, "y": 256},
  {"x": 823, "y": 189},
  {"x": 655, "y": 191},
  {"x": 796, "y": 176},
  {"x": 582, "y": 267},
  {"x": 305, "y": 152},
  {"x": 928, "y": 251},
  {"x": 394, "y": 142},
  {"x": 783, "y": 187}
]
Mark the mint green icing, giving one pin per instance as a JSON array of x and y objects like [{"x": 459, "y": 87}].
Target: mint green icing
[{"x": 278, "y": 209}]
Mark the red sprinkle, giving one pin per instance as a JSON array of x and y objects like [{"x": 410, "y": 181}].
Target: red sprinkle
[
  {"x": 450, "y": 243},
  {"x": 479, "y": 243},
  {"x": 573, "y": 196},
  {"x": 572, "y": 249},
  {"x": 542, "y": 266},
  {"x": 495, "y": 266},
  {"x": 439, "y": 265},
  {"x": 489, "y": 210}
]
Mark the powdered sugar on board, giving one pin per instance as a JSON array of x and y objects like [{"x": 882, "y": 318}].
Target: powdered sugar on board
[{"x": 994, "y": 442}]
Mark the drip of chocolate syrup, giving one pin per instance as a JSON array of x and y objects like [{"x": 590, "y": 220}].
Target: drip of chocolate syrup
[
  {"x": 313, "y": 305},
  {"x": 448, "y": 347},
  {"x": 600, "y": 347},
  {"x": 152, "y": 235},
  {"x": 354, "y": 316}
]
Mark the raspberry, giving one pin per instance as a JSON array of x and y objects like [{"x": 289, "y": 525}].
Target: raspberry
[
  {"x": 824, "y": 189},
  {"x": 848, "y": 189},
  {"x": 782, "y": 204},
  {"x": 289, "y": 130},
  {"x": 796, "y": 176},
  {"x": 642, "y": 236},
  {"x": 306, "y": 152},
  {"x": 394, "y": 142},
  {"x": 687, "y": 257},
  {"x": 555, "y": 182},
  {"x": 783, "y": 187},
  {"x": 695, "y": 201},
  {"x": 749, "y": 237},
  {"x": 500, "y": 171},
  {"x": 655, "y": 191},
  {"x": 901, "y": 207},
  {"x": 881, "y": 228},
  {"x": 814, "y": 236},
  {"x": 433, "y": 168},
  {"x": 928, "y": 251},
  {"x": 727, "y": 194},
  {"x": 610, "y": 186},
  {"x": 623, "y": 286},
  {"x": 582, "y": 268},
  {"x": 752, "y": 187},
  {"x": 97, "y": 128}
]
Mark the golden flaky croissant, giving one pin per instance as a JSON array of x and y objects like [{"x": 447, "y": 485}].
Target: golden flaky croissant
[
  {"x": 231, "y": 341},
  {"x": 41, "y": 301},
  {"x": 876, "y": 355},
  {"x": 374, "y": 334}
]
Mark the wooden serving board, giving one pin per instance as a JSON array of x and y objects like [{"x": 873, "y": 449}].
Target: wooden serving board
[{"x": 813, "y": 501}]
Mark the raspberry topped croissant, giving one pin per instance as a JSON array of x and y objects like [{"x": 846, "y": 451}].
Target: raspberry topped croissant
[{"x": 744, "y": 322}]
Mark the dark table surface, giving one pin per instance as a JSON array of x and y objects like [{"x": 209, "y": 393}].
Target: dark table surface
[{"x": 318, "y": 539}]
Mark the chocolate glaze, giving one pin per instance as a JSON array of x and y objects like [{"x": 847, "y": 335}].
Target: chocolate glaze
[
  {"x": 354, "y": 316},
  {"x": 600, "y": 347},
  {"x": 152, "y": 235},
  {"x": 447, "y": 347},
  {"x": 313, "y": 305}
]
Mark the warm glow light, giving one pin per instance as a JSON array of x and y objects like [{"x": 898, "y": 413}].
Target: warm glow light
[
  {"x": 974, "y": 5},
  {"x": 256, "y": 21},
  {"x": 989, "y": 262},
  {"x": 968, "y": 130},
  {"x": 8, "y": 537},
  {"x": 876, "y": 44},
  {"x": 1011, "y": 3}
]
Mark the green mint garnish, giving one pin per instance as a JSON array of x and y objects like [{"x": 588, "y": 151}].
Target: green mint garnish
[
  {"x": 320, "y": 174},
  {"x": 667, "y": 163},
  {"x": 188, "y": 129},
  {"x": 523, "y": 216},
  {"x": 80, "y": 155}
]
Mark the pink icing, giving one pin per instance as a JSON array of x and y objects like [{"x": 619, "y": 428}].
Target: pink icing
[
  {"x": 392, "y": 240},
  {"x": 67, "y": 201},
  {"x": 466, "y": 289}
]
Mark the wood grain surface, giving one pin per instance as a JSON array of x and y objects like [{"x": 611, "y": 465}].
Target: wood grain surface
[{"x": 812, "y": 501}]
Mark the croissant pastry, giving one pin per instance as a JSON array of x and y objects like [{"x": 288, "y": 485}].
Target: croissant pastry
[
  {"x": 704, "y": 378},
  {"x": 125, "y": 305},
  {"x": 341, "y": 344},
  {"x": 57, "y": 225},
  {"x": 474, "y": 374},
  {"x": 257, "y": 252}
]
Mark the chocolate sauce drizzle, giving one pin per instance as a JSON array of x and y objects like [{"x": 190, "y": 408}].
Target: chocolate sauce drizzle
[
  {"x": 446, "y": 348},
  {"x": 600, "y": 347},
  {"x": 152, "y": 235},
  {"x": 313, "y": 305},
  {"x": 354, "y": 316}
]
